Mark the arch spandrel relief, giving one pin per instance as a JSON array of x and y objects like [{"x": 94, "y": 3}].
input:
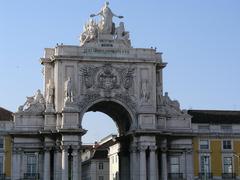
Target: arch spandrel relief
[{"x": 106, "y": 81}]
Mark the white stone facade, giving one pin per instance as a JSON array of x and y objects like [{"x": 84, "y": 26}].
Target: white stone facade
[{"x": 103, "y": 74}]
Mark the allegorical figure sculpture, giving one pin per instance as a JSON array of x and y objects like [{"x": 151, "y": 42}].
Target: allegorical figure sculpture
[
  {"x": 34, "y": 103},
  {"x": 68, "y": 91},
  {"x": 90, "y": 32},
  {"x": 106, "y": 23},
  {"x": 121, "y": 34}
]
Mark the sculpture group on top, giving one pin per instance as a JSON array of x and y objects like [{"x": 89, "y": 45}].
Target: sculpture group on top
[{"x": 93, "y": 30}]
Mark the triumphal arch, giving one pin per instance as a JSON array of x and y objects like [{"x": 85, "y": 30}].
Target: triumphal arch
[{"x": 104, "y": 73}]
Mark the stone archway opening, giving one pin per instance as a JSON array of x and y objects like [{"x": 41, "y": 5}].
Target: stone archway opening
[
  {"x": 117, "y": 112},
  {"x": 98, "y": 126},
  {"x": 117, "y": 151}
]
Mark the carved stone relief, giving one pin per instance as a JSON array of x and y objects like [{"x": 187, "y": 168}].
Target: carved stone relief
[{"x": 107, "y": 82}]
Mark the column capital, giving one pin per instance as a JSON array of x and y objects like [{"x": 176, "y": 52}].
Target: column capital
[
  {"x": 153, "y": 148},
  {"x": 142, "y": 148},
  {"x": 47, "y": 148},
  {"x": 133, "y": 149},
  {"x": 164, "y": 149},
  {"x": 64, "y": 147},
  {"x": 57, "y": 149}
]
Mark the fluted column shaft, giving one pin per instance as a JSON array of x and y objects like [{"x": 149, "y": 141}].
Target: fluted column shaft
[
  {"x": 65, "y": 163},
  {"x": 76, "y": 164},
  {"x": 57, "y": 164},
  {"x": 133, "y": 164},
  {"x": 152, "y": 163},
  {"x": 164, "y": 166},
  {"x": 46, "y": 168},
  {"x": 143, "y": 165}
]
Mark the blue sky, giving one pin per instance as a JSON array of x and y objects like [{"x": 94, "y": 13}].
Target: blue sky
[{"x": 200, "y": 40}]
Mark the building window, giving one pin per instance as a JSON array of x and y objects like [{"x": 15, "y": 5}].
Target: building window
[
  {"x": 113, "y": 160},
  {"x": 227, "y": 144},
  {"x": 100, "y": 178},
  {"x": 174, "y": 165},
  {"x": 205, "y": 164},
  {"x": 31, "y": 164},
  {"x": 227, "y": 165},
  {"x": 203, "y": 128},
  {"x": 226, "y": 128},
  {"x": 1, "y": 142},
  {"x": 100, "y": 166},
  {"x": 1, "y": 164},
  {"x": 204, "y": 144}
]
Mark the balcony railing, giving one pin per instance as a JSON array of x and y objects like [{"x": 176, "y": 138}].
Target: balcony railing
[
  {"x": 2, "y": 176},
  {"x": 205, "y": 175},
  {"x": 228, "y": 175},
  {"x": 175, "y": 176},
  {"x": 31, "y": 176}
]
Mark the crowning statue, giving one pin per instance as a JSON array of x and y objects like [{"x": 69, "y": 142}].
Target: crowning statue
[
  {"x": 93, "y": 31},
  {"x": 106, "y": 25}
]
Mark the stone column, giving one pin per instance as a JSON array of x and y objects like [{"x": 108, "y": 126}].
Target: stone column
[
  {"x": 143, "y": 165},
  {"x": 64, "y": 162},
  {"x": 133, "y": 164},
  {"x": 76, "y": 163},
  {"x": 46, "y": 167},
  {"x": 189, "y": 164},
  {"x": 58, "y": 163},
  {"x": 164, "y": 173},
  {"x": 16, "y": 164},
  {"x": 152, "y": 163}
]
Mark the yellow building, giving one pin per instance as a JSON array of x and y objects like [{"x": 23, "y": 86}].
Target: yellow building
[
  {"x": 216, "y": 145},
  {"x": 5, "y": 143}
]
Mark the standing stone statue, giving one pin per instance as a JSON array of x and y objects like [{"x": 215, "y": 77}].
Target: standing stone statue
[
  {"x": 68, "y": 91},
  {"x": 49, "y": 92},
  {"x": 106, "y": 24}
]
